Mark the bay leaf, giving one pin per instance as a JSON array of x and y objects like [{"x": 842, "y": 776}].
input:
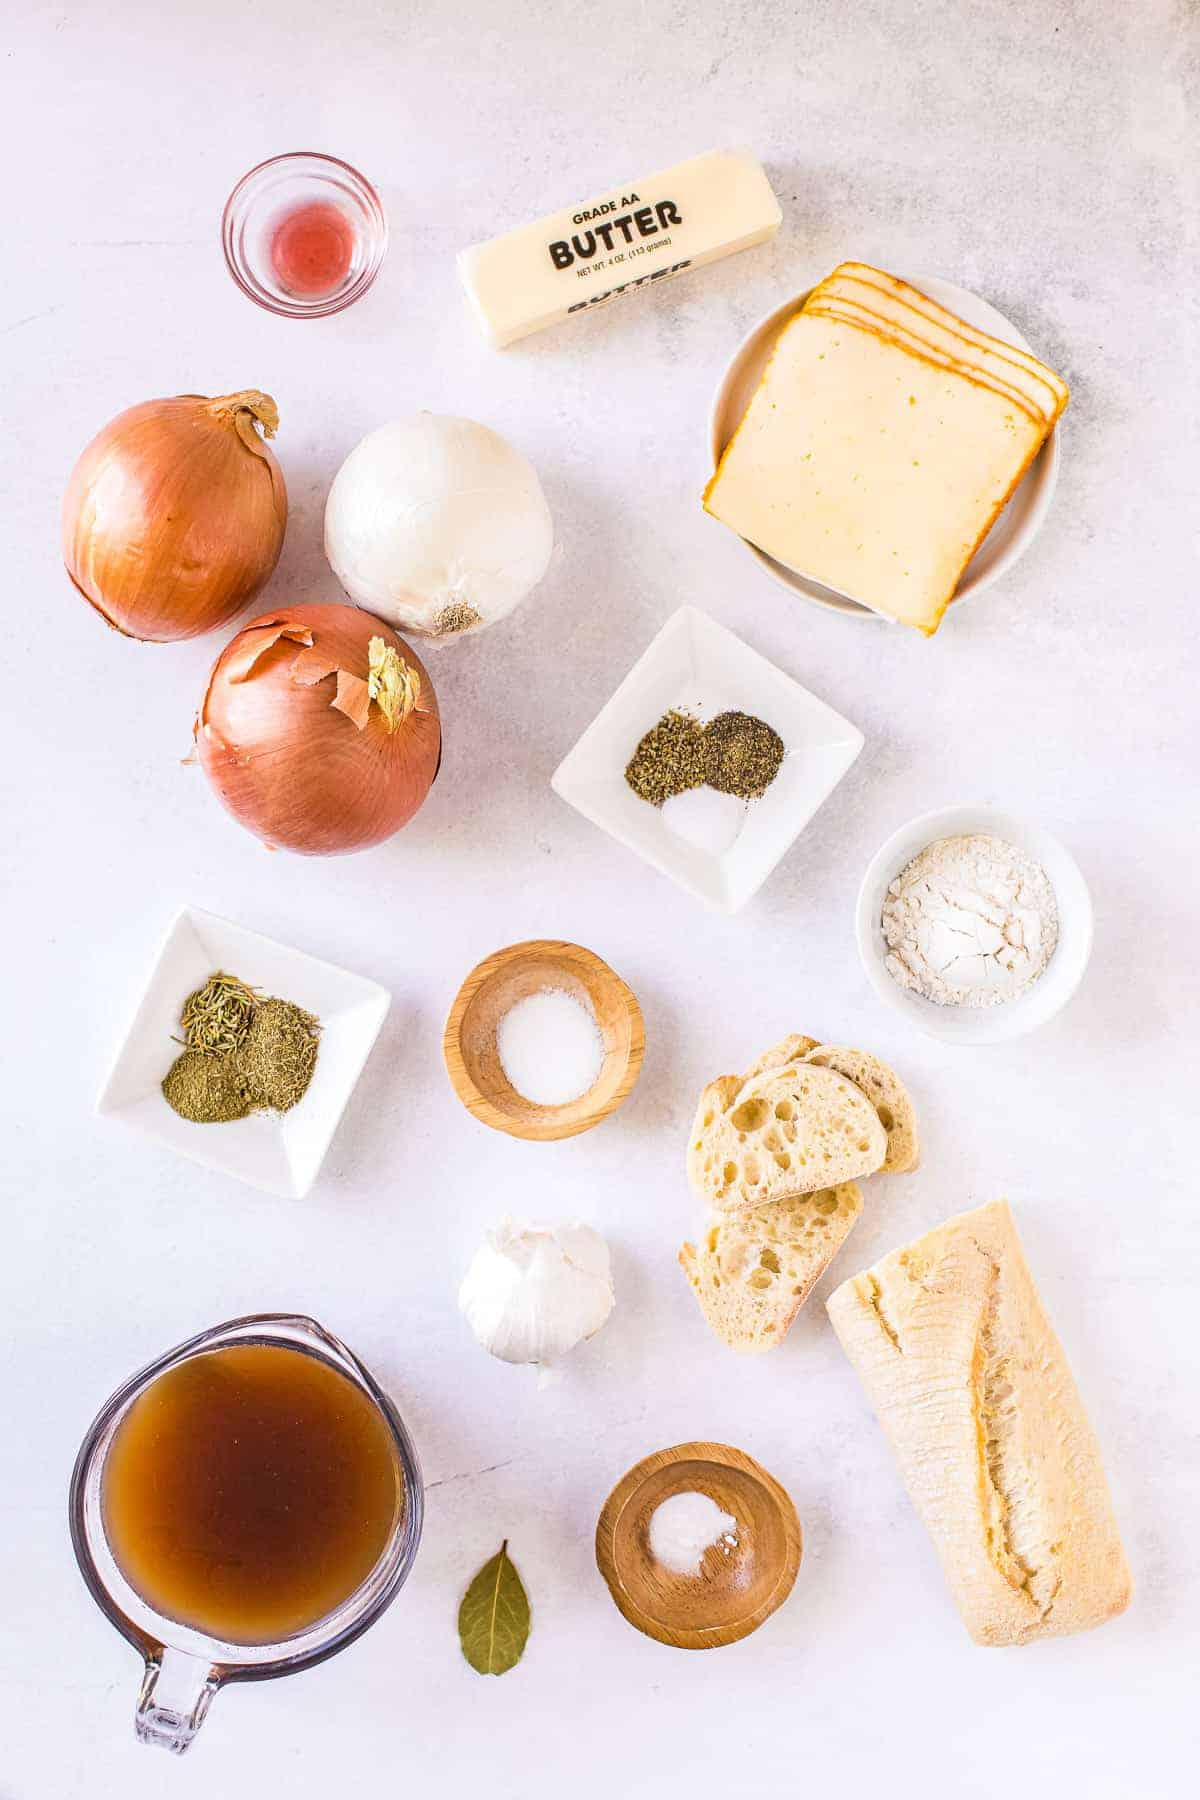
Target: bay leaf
[{"x": 494, "y": 1620}]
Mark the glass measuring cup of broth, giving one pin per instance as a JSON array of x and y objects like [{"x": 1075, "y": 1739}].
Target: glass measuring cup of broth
[{"x": 242, "y": 1508}]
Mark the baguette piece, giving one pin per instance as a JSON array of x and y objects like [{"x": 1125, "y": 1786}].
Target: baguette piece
[
  {"x": 788, "y": 1131},
  {"x": 752, "y": 1275},
  {"x": 887, "y": 1094},
  {"x": 973, "y": 1390}
]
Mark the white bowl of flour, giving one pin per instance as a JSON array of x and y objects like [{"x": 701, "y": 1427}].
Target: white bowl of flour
[{"x": 929, "y": 882}]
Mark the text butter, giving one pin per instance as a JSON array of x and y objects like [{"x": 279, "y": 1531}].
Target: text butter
[{"x": 621, "y": 242}]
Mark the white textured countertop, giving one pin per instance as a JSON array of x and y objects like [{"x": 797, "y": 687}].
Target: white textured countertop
[{"x": 1036, "y": 153}]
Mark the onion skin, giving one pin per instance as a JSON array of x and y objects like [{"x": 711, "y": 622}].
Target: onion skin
[
  {"x": 286, "y": 762},
  {"x": 174, "y": 515}
]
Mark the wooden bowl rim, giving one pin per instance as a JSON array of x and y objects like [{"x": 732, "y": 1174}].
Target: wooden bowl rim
[
  {"x": 550, "y": 1123},
  {"x": 710, "y": 1637}
]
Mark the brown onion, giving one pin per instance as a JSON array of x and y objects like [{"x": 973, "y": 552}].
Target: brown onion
[
  {"x": 319, "y": 730},
  {"x": 174, "y": 515}
]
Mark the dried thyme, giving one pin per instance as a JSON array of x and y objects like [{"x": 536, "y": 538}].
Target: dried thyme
[
  {"x": 279, "y": 1054},
  {"x": 735, "y": 753}
]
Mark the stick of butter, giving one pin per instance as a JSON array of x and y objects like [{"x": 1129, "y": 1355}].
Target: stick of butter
[{"x": 623, "y": 240}]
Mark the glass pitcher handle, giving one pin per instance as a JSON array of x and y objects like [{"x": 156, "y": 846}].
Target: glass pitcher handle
[{"x": 176, "y": 1694}]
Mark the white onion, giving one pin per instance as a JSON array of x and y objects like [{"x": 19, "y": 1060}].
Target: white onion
[{"x": 437, "y": 525}]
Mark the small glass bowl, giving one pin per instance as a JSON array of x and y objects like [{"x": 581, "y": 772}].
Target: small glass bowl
[{"x": 271, "y": 191}]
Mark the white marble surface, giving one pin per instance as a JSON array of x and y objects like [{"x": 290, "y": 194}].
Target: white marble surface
[{"x": 1036, "y": 152}]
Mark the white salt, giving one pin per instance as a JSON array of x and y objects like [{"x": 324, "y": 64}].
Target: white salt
[
  {"x": 550, "y": 1047},
  {"x": 684, "y": 1527},
  {"x": 705, "y": 818}
]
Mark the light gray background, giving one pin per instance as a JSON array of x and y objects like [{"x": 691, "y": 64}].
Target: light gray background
[{"x": 1036, "y": 152}]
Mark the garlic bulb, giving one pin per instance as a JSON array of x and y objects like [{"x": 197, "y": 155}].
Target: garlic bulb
[
  {"x": 438, "y": 525},
  {"x": 533, "y": 1292}
]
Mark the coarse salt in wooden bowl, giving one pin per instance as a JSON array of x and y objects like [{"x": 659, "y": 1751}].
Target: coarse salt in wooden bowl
[
  {"x": 493, "y": 987},
  {"x": 742, "y": 1579}
]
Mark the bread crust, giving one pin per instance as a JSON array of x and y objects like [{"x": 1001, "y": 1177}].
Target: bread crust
[
  {"x": 973, "y": 1390},
  {"x": 793, "y": 1048}
]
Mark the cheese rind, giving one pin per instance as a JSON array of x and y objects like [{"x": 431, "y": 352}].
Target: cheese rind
[
  {"x": 1011, "y": 385},
  {"x": 624, "y": 240},
  {"x": 931, "y": 309},
  {"x": 870, "y": 468},
  {"x": 987, "y": 356}
]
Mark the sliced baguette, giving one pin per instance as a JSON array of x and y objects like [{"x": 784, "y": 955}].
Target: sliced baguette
[
  {"x": 887, "y": 1094},
  {"x": 793, "y": 1048},
  {"x": 752, "y": 1275},
  {"x": 973, "y": 1390},
  {"x": 788, "y": 1131}
]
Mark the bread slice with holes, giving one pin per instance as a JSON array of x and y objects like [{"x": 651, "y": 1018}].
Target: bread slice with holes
[
  {"x": 969, "y": 1382},
  {"x": 793, "y": 1048},
  {"x": 887, "y": 1094},
  {"x": 787, "y": 1131},
  {"x": 752, "y": 1275}
]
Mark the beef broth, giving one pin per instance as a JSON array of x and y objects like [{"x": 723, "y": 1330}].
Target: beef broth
[{"x": 249, "y": 1491}]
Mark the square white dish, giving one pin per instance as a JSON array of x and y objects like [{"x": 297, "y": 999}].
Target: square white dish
[
  {"x": 279, "y": 1153},
  {"x": 695, "y": 664}
]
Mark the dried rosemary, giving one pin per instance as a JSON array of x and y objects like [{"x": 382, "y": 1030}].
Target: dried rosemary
[
  {"x": 217, "y": 1016},
  {"x": 244, "y": 1052},
  {"x": 735, "y": 752}
]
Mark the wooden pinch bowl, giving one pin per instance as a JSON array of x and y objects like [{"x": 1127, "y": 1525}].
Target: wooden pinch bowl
[
  {"x": 491, "y": 989},
  {"x": 739, "y": 1584}
]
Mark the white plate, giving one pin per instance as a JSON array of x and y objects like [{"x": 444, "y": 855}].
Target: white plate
[
  {"x": 696, "y": 664},
  {"x": 280, "y": 1153},
  {"x": 1062, "y": 974},
  {"x": 1013, "y": 531}
]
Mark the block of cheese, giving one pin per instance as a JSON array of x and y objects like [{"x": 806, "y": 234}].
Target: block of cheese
[
  {"x": 625, "y": 239},
  {"x": 969, "y": 1382},
  {"x": 864, "y": 464}
]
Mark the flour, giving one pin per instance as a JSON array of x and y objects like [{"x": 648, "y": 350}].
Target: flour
[{"x": 970, "y": 921}]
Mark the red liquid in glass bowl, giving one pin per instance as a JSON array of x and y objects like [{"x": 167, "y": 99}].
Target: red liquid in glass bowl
[
  {"x": 312, "y": 248},
  {"x": 304, "y": 235}
]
